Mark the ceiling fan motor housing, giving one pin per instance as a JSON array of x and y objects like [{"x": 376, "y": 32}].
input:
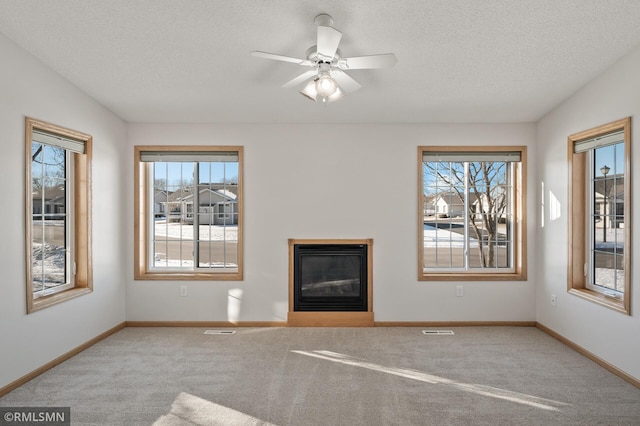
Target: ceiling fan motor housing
[{"x": 317, "y": 58}]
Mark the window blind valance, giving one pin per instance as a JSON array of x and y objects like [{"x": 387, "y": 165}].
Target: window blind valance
[
  {"x": 189, "y": 156},
  {"x": 599, "y": 141},
  {"x": 506, "y": 156},
  {"x": 59, "y": 141}
]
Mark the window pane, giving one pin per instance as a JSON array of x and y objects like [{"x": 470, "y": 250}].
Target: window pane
[
  {"x": 196, "y": 221},
  {"x": 444, "y": 244},
  {"x": 218, "y": 172},
  {"x": 605, "y": 272},
  {"x": 37, "y": 255},
  {"x": 218, "y": 206},
  {"x": 502, "y": 256},
  {"x": 607, "y": 219},
  {"x": 218, "y": 244},
  {"x": 49, "y": 254},
  {"x": 49, "y": 264},
  {"x": 619, "y": 272},
  {"x": 49, "y": 217},
  {"x": 173, "y": 244},
  {"x": 467, "y": 215},
  {"x": 173, "y": 254},
  {"x": 54, "y": 162},
  {"x": 218, "y": 254}
]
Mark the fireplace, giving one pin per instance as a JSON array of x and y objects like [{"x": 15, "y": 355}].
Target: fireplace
[{"x": 330, "y": 282}]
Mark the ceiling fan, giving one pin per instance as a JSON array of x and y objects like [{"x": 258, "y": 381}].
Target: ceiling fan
[{"x": 327, "y": 77}]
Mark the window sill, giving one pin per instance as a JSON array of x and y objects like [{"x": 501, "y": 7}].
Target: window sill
[
  {"x": 442, "y": 276},
  {"x": 184, "y": 276},
  {"x": 54, "y": 299},
  {"x": 593, "y": 296}
]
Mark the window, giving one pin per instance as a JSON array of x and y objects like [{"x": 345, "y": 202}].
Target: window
[
  {"x": 58, "y": 210},
  {"x": 188, "y": 213},
  {"x": 471, "y": 211},
  {"x": 599, "y": 215}
]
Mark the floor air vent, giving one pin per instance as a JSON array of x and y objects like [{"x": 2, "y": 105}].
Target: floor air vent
[
  {"x": 220, "y": 332},
  {"x": 438, "y": 332}
]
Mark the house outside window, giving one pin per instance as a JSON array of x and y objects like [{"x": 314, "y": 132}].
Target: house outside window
[
  {"x": 599, "y": 215},
  {"x": 188, "y": 212},
  {"x": 58, "y": 214},
  {"x": 471, "y": 213}
]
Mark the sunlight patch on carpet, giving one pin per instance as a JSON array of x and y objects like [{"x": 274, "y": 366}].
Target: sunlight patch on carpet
[
  {"x": 520, "y": 398},
  {"x": 191, "y": 410}
]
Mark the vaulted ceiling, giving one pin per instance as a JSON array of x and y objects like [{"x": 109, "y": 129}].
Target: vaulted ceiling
[{"x": 458, "y": 60}]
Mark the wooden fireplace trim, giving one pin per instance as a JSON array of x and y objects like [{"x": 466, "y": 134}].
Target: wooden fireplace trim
[{"x": 332, "y": 319}]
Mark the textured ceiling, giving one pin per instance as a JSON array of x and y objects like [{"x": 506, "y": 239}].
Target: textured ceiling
[{"x": 458, "y": 60}]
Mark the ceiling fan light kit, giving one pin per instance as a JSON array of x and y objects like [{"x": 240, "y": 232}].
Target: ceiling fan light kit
[
  {"x": 311, "y": 92},
  {"x": 327, "y": 80},
  {"x": 326, "y": 86}
]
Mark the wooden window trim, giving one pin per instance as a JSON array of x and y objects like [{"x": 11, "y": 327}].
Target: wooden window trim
[
  {"x": 83, "y": 283},
  {"x": 520, "y": 226},
  {"x": 141, "y": 271},
  {"x": 577, "y": 215}
]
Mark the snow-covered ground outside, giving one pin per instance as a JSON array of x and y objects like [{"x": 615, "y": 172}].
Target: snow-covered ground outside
[
  {"x": 48, "y": 266},
  {"x": 227, "y": 233},
  {"x": 177, "y": 263},
  {"x": 441, "y": 238},
  {"x": 207, "y": 232},
  {"x": 49, "y": 260},
  {"x": 615, "y": 239},
  {"x": 609, "y": 278}
]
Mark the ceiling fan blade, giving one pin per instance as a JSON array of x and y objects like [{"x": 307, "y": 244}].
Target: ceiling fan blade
[
  {"x": 299, "y": 79},
  {"x": 273, "y": 56},
  {"x": 347, "y": 83},
  {"x": 385, "y": 60},
  {"x": 328, "y": 41}
]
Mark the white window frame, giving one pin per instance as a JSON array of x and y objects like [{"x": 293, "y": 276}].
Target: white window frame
[{"x": 68, "y": 225}]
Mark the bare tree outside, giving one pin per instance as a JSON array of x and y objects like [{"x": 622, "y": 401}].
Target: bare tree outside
[
  {"x": 160, "y": 184},
  {"x": 48, "y": 166},
  {"x": 183, "y": 184},
  {"x": 480, "y": 188},
  {"x": 230, "y": 180}
]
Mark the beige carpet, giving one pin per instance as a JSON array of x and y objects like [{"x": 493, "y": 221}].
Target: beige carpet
[{"x": 333, "y": 376}]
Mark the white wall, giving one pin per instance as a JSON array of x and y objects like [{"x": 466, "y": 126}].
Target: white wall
[
  {"x": 608, "y": 334},
  {"x": 333, "y": 181},
  {"x": 28, "y": 88}
]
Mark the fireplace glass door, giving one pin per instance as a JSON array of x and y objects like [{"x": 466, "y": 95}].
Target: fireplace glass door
[{"x": 330, "y": 277}]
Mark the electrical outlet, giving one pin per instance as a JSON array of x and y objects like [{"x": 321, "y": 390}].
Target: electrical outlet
[
  {"x": 554, "y": 300},
  {"x": 183, "y": 291},
  {"x": 459, "y": 291}
]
